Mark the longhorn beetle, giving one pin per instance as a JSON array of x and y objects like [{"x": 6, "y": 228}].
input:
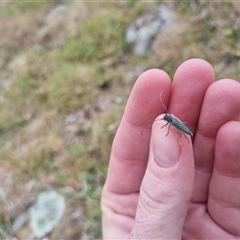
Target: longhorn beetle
[{"x": 172, "y": 120}]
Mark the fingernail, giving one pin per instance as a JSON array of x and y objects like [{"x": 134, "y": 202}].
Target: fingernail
[{"x": 165, "y": 149}]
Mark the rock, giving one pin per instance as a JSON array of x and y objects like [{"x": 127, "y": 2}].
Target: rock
[
  {"x": 46, "y": 213},
  {"x": 146, "y": 27},
  {"x": 60, "y": 23}
]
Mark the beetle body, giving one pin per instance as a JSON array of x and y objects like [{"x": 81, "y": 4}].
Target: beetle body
[{"x": 171, "y": 120}]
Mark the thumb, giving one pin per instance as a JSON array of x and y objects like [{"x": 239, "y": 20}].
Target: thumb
[{"x": 166, "y": 187}]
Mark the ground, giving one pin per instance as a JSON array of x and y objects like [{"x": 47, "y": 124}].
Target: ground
[{"x": 66, "y": 71}]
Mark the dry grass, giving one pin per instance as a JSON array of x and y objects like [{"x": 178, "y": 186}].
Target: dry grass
[{"x": 64, "y": 84}]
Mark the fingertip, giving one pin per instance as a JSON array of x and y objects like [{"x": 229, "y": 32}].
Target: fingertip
[
  {"x": 151, "y": 80},
  {"x": 154, "y": 74},
  {"x": 194, "y": 73},
  {"x": 221, "y": 105},
  {"x": 144, "y": 103},
  {"x": 224, "y": 87},
  {"x": 196, "y": 67}
]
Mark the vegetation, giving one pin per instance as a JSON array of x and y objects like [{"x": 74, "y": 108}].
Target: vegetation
[{"x": 65, "y": 76}]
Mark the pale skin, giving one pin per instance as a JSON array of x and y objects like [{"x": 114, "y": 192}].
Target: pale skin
[{"x": 161, "y": 187}]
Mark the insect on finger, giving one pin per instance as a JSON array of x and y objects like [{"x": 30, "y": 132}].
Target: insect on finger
[{"x": 172, "y": 121}]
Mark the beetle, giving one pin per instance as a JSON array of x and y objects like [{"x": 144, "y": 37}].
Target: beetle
[{"x": 173, "y": 121}]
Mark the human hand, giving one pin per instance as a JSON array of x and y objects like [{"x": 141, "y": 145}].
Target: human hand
[{"x": 161, "y": 187}]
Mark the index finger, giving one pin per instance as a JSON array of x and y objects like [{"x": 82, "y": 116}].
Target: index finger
[{"x": 130, "y": 149}]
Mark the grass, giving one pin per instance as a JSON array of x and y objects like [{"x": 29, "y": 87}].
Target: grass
[
  {"x": 60, "y": 102},
  {"x": 95, "y": 44}
]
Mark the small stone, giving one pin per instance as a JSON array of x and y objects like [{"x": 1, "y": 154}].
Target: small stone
[
  {"x": 146, "y": 27},
  {"x": 46, "y": 213}
]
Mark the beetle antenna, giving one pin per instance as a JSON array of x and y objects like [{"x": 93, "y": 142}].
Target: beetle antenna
[
  {"x": 162, "y": 101},
  {"x": 148, "y": 124},
  {"x": 156, "y": 119}
]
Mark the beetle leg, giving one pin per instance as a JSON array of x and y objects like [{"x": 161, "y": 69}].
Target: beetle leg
[
  {"x": 165, "y": 125},
  {"x": 168, "y": 129},
  {"x": 185, "y": 136}
]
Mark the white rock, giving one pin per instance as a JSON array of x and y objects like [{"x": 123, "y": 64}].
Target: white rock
[{"x": 46, "y": 213}]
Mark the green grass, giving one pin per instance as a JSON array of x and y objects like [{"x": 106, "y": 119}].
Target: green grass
[
  {"x": 100, "y": 38},
  {"x": 12, "y": 9},
  {"x": 91, "y": 70}
]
